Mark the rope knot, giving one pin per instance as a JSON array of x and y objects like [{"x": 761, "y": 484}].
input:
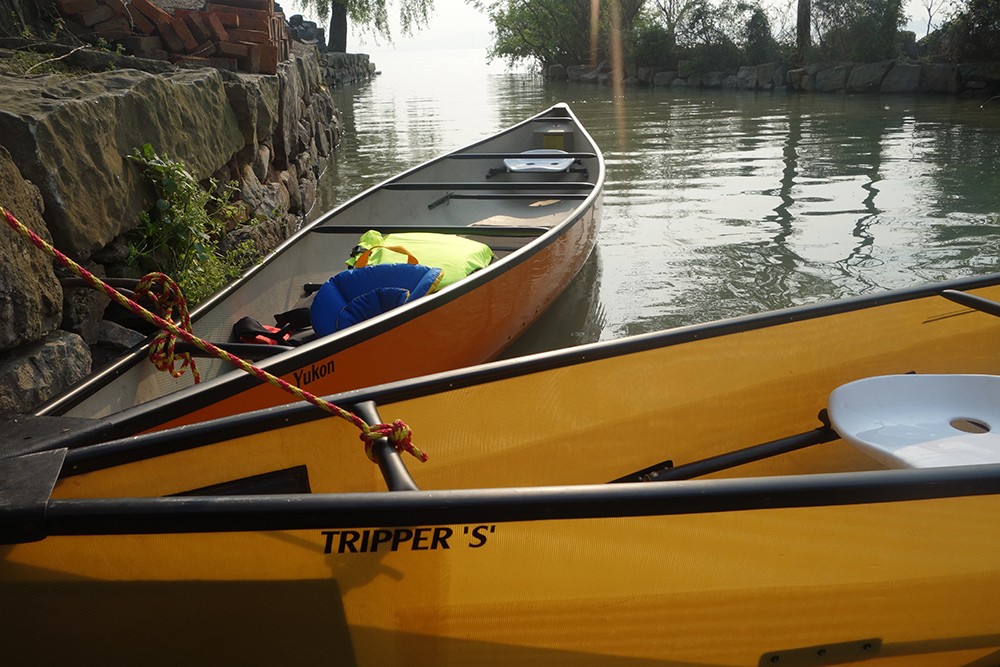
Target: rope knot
[
  {"x": 399, "y": 436},
  {"x": 168, "y": 298}
]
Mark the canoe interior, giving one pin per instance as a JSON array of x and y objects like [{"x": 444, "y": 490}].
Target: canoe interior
[
  {"x": 593, "y": 422},
  {"x": 908, "y": 582}
]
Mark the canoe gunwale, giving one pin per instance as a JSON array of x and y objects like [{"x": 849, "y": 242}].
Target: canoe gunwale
[
  {"x": 122, "y": 516},
  {"x": 297, "y": 413},
  {"x": 145, "y": 415}
]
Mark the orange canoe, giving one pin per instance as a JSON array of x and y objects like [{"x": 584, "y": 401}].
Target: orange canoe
[{"x": 532, "y": 193}]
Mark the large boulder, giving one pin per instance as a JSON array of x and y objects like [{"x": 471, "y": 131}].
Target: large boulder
[
  {"x": 833, "y": 79},
  {"x": 254, "y": 100},
  {"x": 664, "y": 78},
  {"x": 746, "y": 76},
  {"x": 39, "y": 371},
  {"x": 30, "y": 295},
  {"x": 765, "y": 75},
  {"x": 868, "y": 78},
  {"x": 71, "y": 137},
  {"x": 939, "y": 78},
  {"x": 902, "y": 78}
]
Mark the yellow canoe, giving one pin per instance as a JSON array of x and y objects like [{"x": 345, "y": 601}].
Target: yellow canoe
[{"x": 671, "y": 499}]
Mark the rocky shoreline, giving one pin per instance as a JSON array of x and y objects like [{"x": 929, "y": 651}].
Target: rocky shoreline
[
  {"x": 64, "y": 173},
  {"x": 887, "y": 76}
]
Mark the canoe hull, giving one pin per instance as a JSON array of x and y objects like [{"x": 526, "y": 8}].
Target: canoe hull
[
  {"x": 516, "y": 548},
  {"x": 907, "y": 579},
  {"x": 475, "y": 326},
  {"x": 542, "y": 227}
]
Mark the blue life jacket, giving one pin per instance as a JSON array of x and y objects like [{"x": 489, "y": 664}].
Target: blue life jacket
[{"x": 355, "y": 295}]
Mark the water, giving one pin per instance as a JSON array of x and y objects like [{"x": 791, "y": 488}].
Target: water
[{"x": 718, "y": 203}]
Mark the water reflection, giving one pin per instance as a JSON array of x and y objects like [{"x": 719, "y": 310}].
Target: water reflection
[{"x": 718, "y": 203}]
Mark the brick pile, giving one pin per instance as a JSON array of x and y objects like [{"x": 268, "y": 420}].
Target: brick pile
[{"x": 239, "y": 35}]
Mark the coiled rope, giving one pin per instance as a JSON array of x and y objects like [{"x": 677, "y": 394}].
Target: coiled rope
[{"x": 398, "y": 433}]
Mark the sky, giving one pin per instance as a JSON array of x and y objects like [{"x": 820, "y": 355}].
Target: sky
[{"x": 453, "y": 25}]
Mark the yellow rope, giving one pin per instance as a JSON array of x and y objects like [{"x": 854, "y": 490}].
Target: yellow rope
[{"x": 398, "y": 433}]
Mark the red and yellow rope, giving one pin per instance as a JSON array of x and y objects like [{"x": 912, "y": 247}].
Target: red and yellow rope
[{"x": 398, "y": 432}]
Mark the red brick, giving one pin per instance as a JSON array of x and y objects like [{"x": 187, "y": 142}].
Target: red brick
[
  {"x": 205, "y": 49},
  {"x": 140, "y": 23},
  {"x": 253, "y": 22},
  {"x": 76, "y": 6},
  {"x": 196, "y": 24},
  {"x": 261, "y": 5},
  {"x": 170, "y": 37},
  {"x": 116, "y": 28},
  {"x": 92, "y": 17},
  {"x": 268, "y": 59},
  {"x": 231, "y": 50},
  {"x": 180, "y": 27},
  {"x": 151, "y": 11},
  {"x": 251, "y": 63},
  {"x": 251, "y": 36},
  {"x": 226, "y": 15},
  {"x": 145, "y": 46},
  {"x": 215, "y": 25},
  {"x": 117, "y": 6}
]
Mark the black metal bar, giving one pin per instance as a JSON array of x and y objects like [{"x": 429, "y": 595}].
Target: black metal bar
[
  {"x": 485, "y": 230},
  {"x": 743, "y": 456},
  {"x": 250, "y": 351},
  {"x": 394, "y": 471},
  {"x": 495, "y": 185},
  {"x": 506, "y": 196},
  {"x": 506, "y": 156},
  {"x": 124, "y": 516},
  {"x": 518, "y": 195},
  {"x": 972, "y": 301}
]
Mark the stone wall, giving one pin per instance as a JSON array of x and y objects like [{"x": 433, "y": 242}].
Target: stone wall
[
  {"x": 64, "y": 172},
  {"x": 888, "y": 76}
]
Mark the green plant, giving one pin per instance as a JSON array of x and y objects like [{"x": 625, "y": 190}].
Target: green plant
[{"x": 180, "y": 235}]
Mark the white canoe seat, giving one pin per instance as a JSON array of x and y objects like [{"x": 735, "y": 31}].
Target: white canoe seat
[
  {"x": 549, "y": 163},
  {"x": 921, "y": 421}
]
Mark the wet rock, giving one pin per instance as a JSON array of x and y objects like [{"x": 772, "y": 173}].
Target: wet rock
[
  {"x": 664, "y": 78},
  {"x": 939, "y": 78},
  {"x": 902, "y": 78},
  {"x": 32, "y": 374},
  {"x": 833, "y": 79},
  {"x": 30, "y": 295},
  {"x": 868, "y": 78},
  {"x": 71, "y": 138}
]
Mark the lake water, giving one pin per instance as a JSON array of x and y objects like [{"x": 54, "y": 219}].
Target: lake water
[{"x": 718, "y": 203}]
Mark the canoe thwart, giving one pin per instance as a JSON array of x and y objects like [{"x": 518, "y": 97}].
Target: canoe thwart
[
  {"x": 500, "y": 196},
  {"x": 490, "y": 230},
  {"x": 972, "y": 301},
  {"x": 390, "y": 463},
  {"x": 499, "y": 186},
  {"x": 666, "y": 471},
  {"x": 505, "y": 156},
  {"x": 248, "y": 351}
]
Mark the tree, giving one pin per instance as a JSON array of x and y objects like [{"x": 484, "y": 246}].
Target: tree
[
  {"x": 974, "y": 32},
  {"x": 857, "y": 30},
  {"x": 932, "y": 7},
  {"x": 803, "y": 29},
  {"x": 557, "y": 31},
  {"x": 370, "y": 15}
]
